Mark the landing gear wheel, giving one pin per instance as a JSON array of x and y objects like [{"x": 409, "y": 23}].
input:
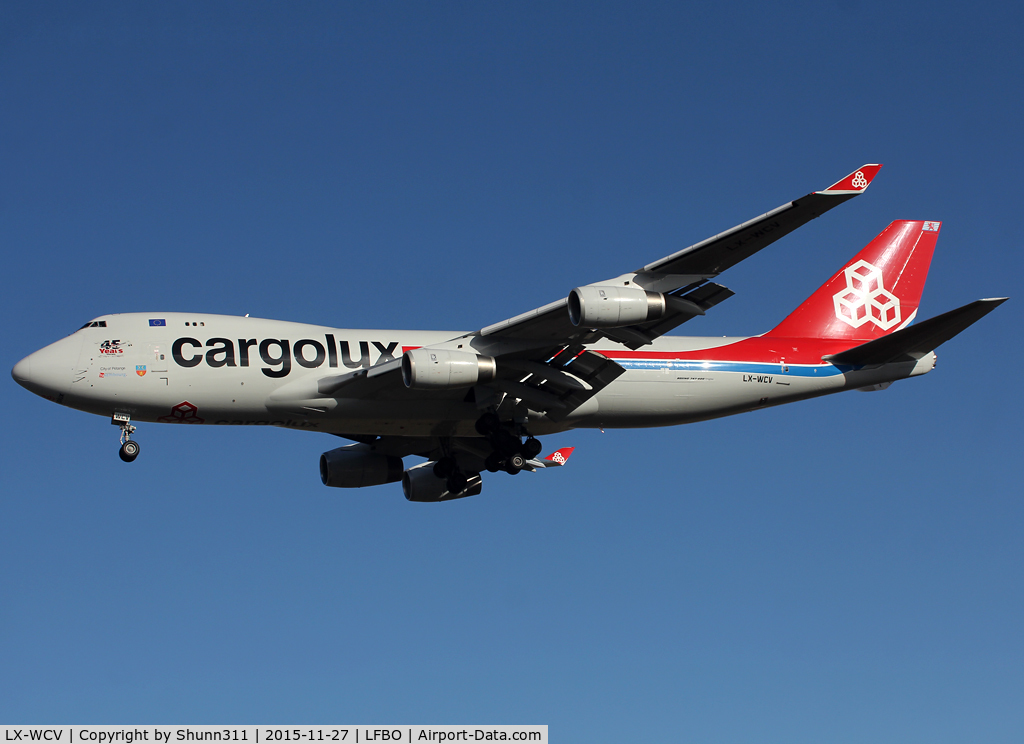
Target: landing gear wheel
[
  {"x": 457, "y": 483},
  {"x": 129, "y": 451},
  {"x": 515, "y": 463},
  {"x": 531, "y": 448},
  {"x": 493, "y": 462},
  {"x": 444, "y": 467},
  {"x": 488, "y": 424}
]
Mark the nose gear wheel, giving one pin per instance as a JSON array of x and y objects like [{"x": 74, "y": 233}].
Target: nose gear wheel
[{"x": 129, "y": 451}]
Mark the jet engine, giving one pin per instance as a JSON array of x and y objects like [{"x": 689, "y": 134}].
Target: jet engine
[
  {"x": 438, "y": 369},
  {"x": 609, "y": 307},
  {"x": 420, "y": 484},
  {"x": 356, "y": 466}
]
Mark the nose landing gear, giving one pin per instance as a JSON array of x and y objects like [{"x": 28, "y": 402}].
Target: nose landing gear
[{"x": 129, "y": 449}]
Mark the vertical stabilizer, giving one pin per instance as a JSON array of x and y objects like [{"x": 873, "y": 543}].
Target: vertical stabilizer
[{"x": 876, "y": 293}]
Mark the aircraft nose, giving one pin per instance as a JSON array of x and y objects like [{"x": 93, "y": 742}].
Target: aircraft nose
[
  {"x": 47, "y": 372},
  {"x": 22, "y": 372}
]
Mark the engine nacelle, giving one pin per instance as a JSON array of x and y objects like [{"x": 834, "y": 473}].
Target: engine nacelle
[
  {"x": 438, "y": 369},
  {"x": 357, "y": 466},
  {"x": 420, "y": 484},
  {"x": 608, "y": 307}
]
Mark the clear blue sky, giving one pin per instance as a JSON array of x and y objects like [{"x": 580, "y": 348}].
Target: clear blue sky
[{"x": 845, "y": 570}]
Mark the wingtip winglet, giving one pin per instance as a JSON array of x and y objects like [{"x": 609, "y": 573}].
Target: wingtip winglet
[
  {"x": 856, "y": 182},
  {"x": 560, "y": 456}
]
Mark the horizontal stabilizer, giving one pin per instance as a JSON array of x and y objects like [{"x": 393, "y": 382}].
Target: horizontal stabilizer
[{"x": 914, "y": 342}]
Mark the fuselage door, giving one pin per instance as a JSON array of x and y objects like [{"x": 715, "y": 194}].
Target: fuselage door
[{"x": 155, "y": 364}]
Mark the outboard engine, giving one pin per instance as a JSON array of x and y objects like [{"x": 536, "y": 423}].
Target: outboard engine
[
  {"x": 611, "y": 307},
  {"x": 357, "y": 466}
]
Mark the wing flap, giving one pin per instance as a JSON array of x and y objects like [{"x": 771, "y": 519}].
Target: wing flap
[{"x": 563, "y": 384}]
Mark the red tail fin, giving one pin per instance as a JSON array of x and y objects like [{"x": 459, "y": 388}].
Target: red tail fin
[{"x": 877, "y": 292}]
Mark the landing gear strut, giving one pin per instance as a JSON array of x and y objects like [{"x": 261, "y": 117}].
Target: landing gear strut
[
  {"x": 129, "y": 449},
  {"x": 457, "y": 482},
  {"x": 531, "y": 448},
  {"x": 447, "y": 469}
]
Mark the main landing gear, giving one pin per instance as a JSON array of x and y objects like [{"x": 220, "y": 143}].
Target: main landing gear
[
  {"x": 129, "y": 449},
  {"x": 510, "y": 452}
]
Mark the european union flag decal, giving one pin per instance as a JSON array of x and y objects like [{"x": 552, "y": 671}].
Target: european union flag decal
[{"x": 157, "y": 322}]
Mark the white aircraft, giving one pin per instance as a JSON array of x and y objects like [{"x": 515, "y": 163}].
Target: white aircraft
[{"x": 470, "y": 402}]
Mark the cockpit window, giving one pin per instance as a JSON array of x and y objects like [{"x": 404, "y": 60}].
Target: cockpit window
[{"x": 95, "y": 324}]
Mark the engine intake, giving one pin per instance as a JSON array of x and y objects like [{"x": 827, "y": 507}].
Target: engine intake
[
  {"x": 439, "y": 369},
  {"x": 420, "y": 484},
  {"x": 357, "y": 466},
  {"x": 609, "y": 307}
]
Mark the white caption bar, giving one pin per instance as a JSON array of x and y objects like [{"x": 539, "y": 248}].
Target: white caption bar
[{"x": 268, "y": 734}]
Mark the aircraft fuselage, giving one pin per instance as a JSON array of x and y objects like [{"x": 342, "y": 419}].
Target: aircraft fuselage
[{"x": 193, "y": 368}]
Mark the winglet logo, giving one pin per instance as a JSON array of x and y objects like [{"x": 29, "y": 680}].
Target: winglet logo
[
  {"x": 865, "y": 298},
  {"x": 560, "y": 457},
  {"x": 859, "y": 182}
]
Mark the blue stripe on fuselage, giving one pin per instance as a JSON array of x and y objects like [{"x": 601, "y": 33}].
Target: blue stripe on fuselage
[{"x": 755, "y": 368}]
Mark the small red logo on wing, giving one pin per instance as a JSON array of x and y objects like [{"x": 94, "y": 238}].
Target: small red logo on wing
[
  {"x": 856, "y": 181},
  {"x": 560, "y": 456}
]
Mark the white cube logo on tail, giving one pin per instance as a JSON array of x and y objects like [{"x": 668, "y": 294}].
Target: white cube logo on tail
[
  {"x": 859, "y": 182},
  {"x": 864, "y": 298}
]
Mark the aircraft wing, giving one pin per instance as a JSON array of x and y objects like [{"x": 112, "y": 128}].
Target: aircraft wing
[
  {"x": 683, "y": 277},
  {"x": 716, "y": 254},
  {"x": 472, "y": 448},
  {"x": 556, "y": 379},
  {"x": 541, "y": 355}
]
